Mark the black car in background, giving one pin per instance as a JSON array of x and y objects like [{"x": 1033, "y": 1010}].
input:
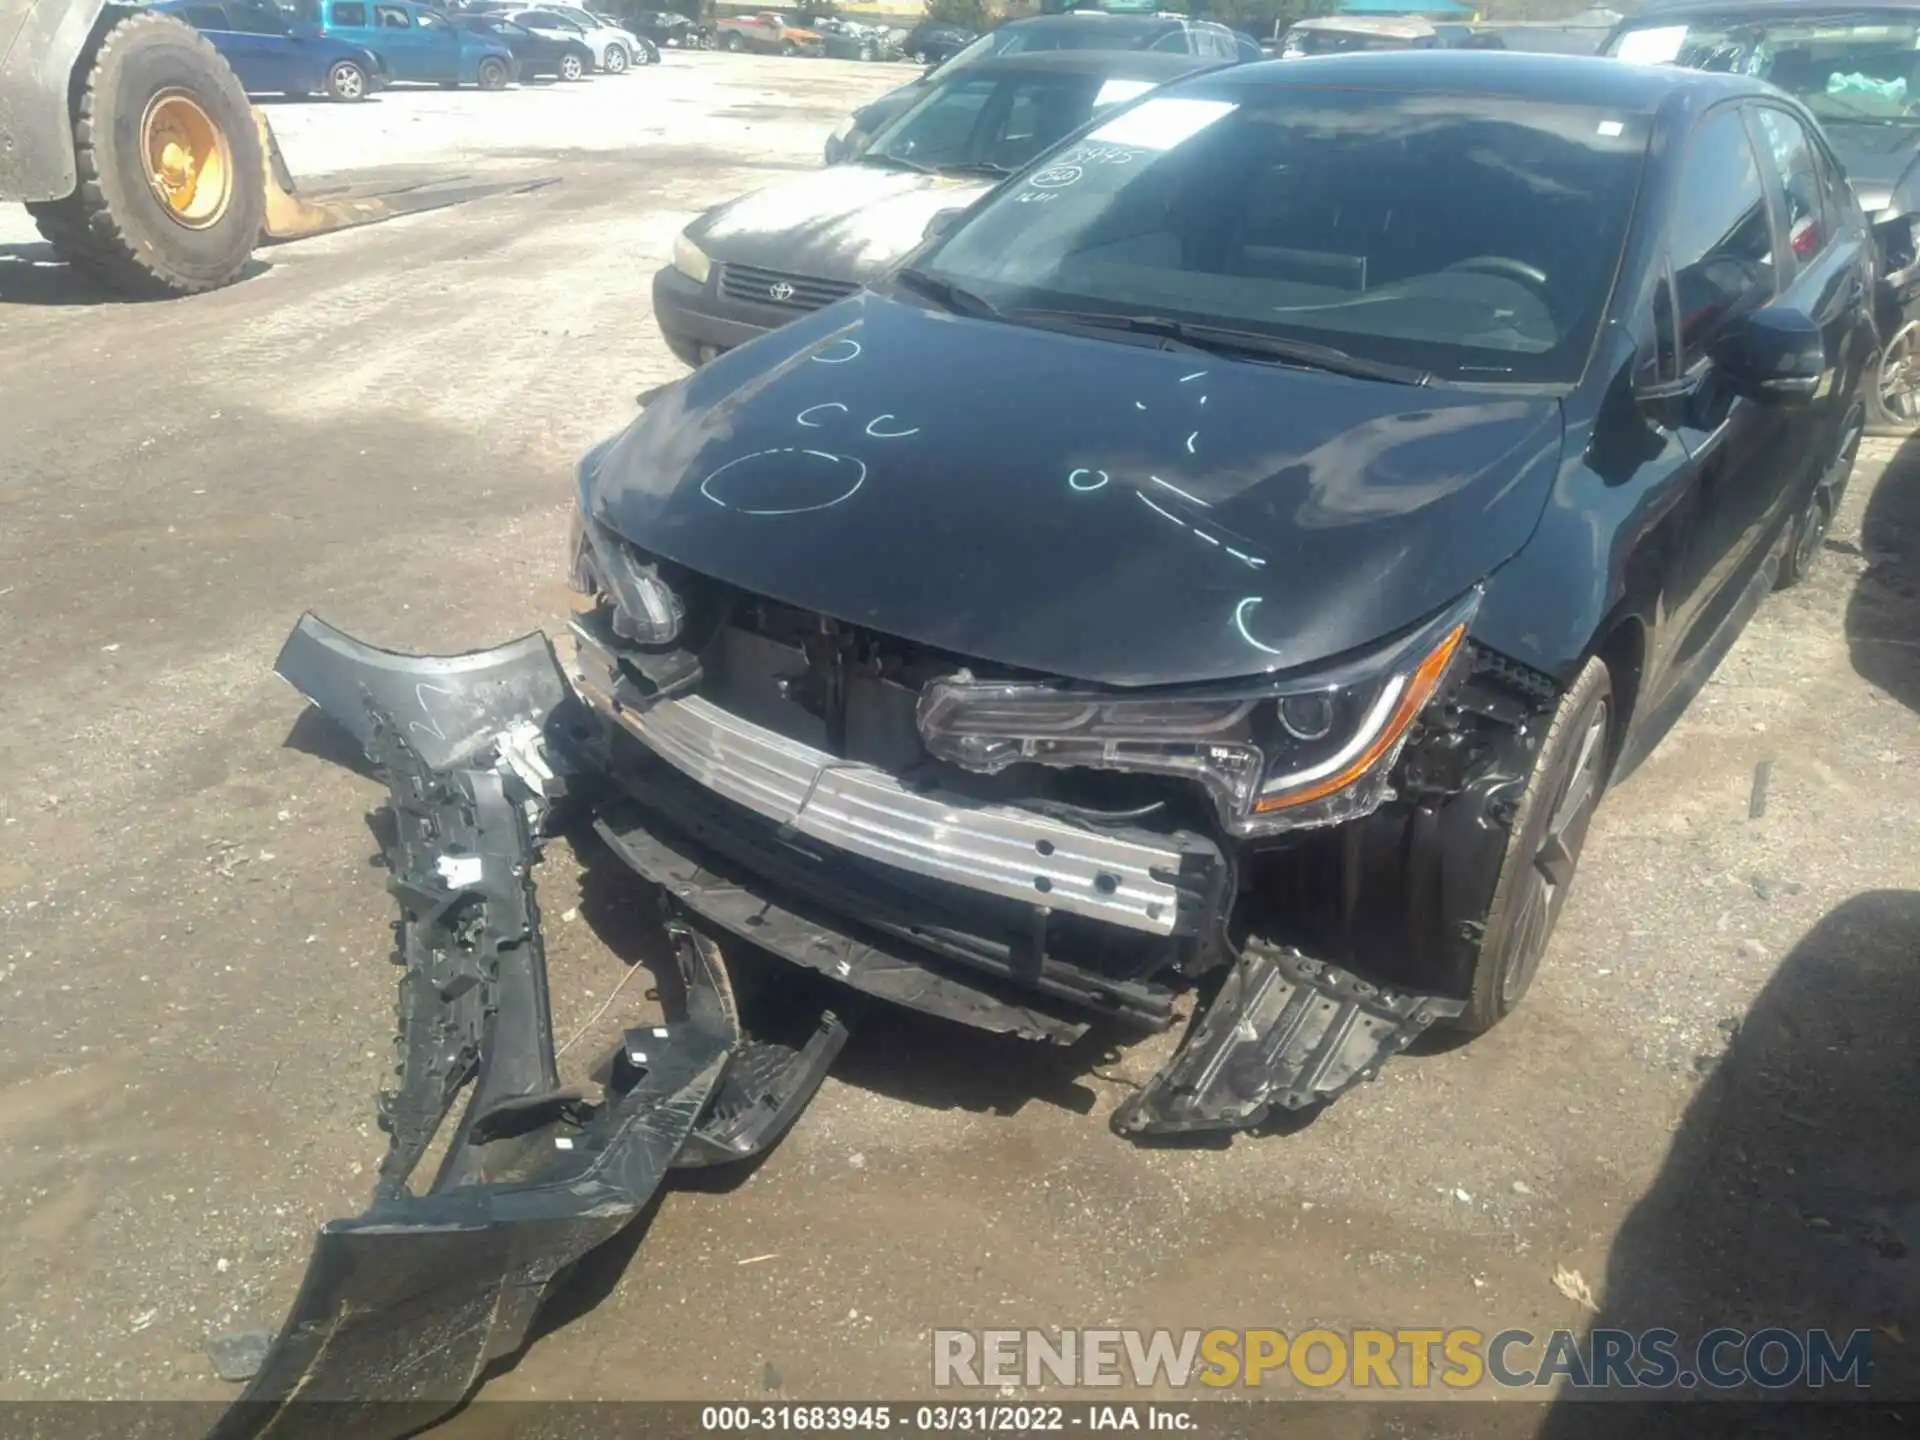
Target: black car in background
[
  {"x": 1857, "y": 68},
  {"x": 535, "y": 54},
  {"x": 774, "y": 254},
  {"x": 669, "y": 28},
  {"x": 931, "y": 43},
  {"x": 1248, "y": 540},
  {"x": 1077, "y": 30}
]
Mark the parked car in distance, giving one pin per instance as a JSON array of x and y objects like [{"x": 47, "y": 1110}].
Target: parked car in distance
[
  {"x": 1076, "y": 30},
  {"x": 769, "y": 257},
  {"x": 273, "y": 55},
  {"x": 931, "y": 43},
  {"x": 768, "y": 33},
  {"x": 1857, "y": 68},
  {"x": 850, "y": 40},
  {"x": 645, "y": 51},
  {"x": 613, "y": 49},
  {"x": 1309, "y": 508},
  {"x": 564, "y": 58},
  {"x": 1354, "y": 34},
  {"x": 670, "y": 28},
  {"x": 416, "y": 42}
]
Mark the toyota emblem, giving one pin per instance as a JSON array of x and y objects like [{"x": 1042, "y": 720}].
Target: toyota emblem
[{"x": 780, "y": 291}]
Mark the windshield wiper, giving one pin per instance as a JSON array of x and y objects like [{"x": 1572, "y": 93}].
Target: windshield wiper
[
  {"x": 976, "y": 167},
  {"x": 1225, "y": 340},
  {"x": 957, "y": 298}
]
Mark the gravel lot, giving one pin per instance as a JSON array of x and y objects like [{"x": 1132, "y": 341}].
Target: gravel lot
[{"x": 1707, "y": 1108}]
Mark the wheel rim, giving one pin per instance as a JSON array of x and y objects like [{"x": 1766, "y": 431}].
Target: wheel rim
[
  {"x": 616, "y": 60},
  {"x": 348, "y": 83},
  {"x": 189, "y": 164},
  {"x": 1900, "y": 376},
  {"x": 570, "y": 68},
  {"x": 1550, "y": 875},
  {"x": 493, "y": 74}
]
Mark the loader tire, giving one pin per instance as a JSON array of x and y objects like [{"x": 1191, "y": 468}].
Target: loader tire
[{"x": 170, "y": 195}]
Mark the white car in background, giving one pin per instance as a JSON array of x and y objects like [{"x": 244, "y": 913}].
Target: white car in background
[{"x": 614, "y": 50}]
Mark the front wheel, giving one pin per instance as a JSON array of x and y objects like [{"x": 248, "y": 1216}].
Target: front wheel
[
  {"x": 1544, "y": 841},
  {"x": 1893, "y": 388},
  {"x": 571, "y": 68},
  {"x": 169, "y": 199},
  {"x": 787, "y": 47},
  {"x": 491, "y": 74},
  {"x": 347, "y": 82},
  {"x": 616, "y": 61},
  {"x": 734, "y": 44}
]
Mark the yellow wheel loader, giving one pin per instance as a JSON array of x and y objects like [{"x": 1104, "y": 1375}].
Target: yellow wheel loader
[{"x": 130, "y": 141}]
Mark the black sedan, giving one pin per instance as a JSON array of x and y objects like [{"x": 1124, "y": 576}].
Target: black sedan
[
  {"x": 769, "y": 256},
  {"x": 1857, "y": 68},
  {"x": 1250, "y": 540},
  {"x": 535, "y": 54}
]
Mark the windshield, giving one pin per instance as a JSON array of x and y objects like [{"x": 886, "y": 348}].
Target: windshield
[
  {"x": 995, "y": 122},
  {"x": 1378, "y": 223},
  {"x": 1862, "y": 67}
]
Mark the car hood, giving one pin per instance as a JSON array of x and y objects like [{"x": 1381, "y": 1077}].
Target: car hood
[
  {"x": 1875, "y": 157},
  {"x": 846, "y": 222},
  {"x": 1076, "y": 506}
]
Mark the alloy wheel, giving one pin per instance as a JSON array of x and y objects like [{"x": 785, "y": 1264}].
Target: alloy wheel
[
  {"x": 1898, "y": 379},
  {"x": 1551, "y": 874}
]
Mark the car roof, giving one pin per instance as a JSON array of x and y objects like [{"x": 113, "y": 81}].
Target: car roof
[
  {"x": 1583, "y": 80},
  {"x": 1084, "y": 19},
  {"x": 1124, "y": 64},
  {"x": 1679, "y": 9}
]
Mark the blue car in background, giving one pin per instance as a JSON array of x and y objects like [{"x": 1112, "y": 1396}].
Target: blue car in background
[
  {"x": 416, "y": 42},
  {"x": 272, "y": 54}
]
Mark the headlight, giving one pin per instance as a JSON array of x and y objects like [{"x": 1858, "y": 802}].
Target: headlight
[
  {"x": 690, "y": 260},
  {"x": 1273, "y": 754},
  {"x": 602, "y": 566}
]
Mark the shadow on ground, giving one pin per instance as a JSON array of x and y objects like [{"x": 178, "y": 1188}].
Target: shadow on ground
[
  {"x": 1791, "y": 1194},
  {"x": 32, "y": 273},
  {"x": 1883, "y": 614}
]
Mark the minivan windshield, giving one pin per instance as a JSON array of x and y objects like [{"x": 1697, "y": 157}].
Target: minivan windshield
[
  {"x": 1859, "y": 68},
  {"x": 1473, "y": 238}
]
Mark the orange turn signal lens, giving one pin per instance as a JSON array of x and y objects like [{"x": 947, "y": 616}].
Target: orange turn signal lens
[{"x": 1413, "y": 699}]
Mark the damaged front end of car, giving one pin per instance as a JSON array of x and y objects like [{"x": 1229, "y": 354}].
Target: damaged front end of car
[
  {"x": 404, "y": 1306},
  {"x": 1309, "y": 852}
]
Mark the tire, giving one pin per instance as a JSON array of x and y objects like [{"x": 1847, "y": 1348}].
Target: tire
[
  {"x": 649, "y": 54},
  {"x": 920, "y": 58},
  {"x": 571, "y": 68},
  {"x": 347, "y": 83},
  {"x": 152, "y": 76},
  {"x": 1810, "y": 527},
  {"x": 787, "y": 47},
  {"x": 733, "y": 44},
  {"x": 491, "y": 73},
  {"x": 1893, "y": 385},
  {"x": 1543, "y": 849},
  {"x": 617, "y": 60}
]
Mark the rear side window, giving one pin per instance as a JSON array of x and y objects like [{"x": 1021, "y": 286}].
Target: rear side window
[
  {"x": 350, "y": 15},
  {"x": 1790, "y": 154},
  {"x": 1720, "y": 240},
  {"x": 257, "y": 19}
]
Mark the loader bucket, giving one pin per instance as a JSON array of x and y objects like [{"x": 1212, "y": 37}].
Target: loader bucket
[{"x": 292, "y": 215}]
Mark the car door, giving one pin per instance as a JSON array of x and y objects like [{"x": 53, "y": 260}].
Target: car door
[
  {"x": 352, "y": 21},
  {"x": 439, "y": 43},
  {"x": 1723, "y": 261},
  {"x": 396, "y": 39},
  {"x": 284, "y": 64}
]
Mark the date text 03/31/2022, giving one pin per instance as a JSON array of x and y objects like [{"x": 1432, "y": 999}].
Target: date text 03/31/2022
[{"x": 949, "y": 1419}]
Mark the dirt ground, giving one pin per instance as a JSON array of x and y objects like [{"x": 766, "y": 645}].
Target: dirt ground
[{"x": 1708, "y": 1107}]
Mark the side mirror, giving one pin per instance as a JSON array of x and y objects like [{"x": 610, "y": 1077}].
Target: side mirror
[
  {"x": 1775, "y": 355},
  {"x": 940, "y": 223}
]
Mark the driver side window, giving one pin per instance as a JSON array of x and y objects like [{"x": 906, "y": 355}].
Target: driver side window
[{"x": 1720, "y": 239}]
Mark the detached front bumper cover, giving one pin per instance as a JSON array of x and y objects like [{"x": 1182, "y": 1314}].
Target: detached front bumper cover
[{"x": 404, "y": 1306}]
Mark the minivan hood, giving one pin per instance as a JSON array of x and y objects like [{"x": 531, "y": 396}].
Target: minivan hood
[
  {"x": 846, "y": 222},
  {"x": 1071, "y": 505}
]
